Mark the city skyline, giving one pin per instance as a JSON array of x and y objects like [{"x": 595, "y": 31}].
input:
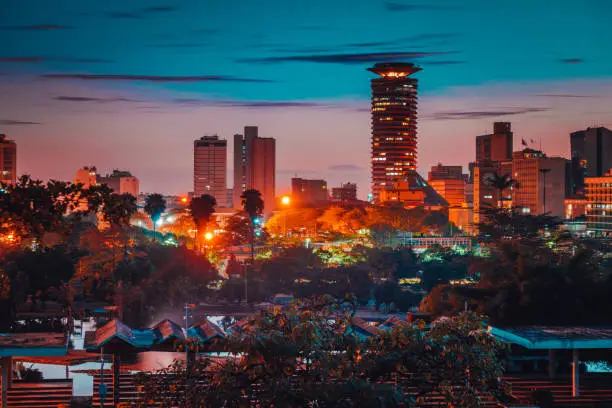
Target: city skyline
[{"x": 123, "y": 86}]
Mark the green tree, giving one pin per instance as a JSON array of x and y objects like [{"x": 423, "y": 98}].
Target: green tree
[
  {"x": 155, "y": 205},
  {"x": 501, "y": 182},
  {"x": 202, "y": 209},
  {"x": 253, "y": 205}
]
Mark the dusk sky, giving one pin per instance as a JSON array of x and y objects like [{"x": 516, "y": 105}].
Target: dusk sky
[{"x": 131, "y": 84}]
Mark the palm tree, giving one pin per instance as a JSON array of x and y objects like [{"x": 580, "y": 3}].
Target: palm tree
[
  {"x": 202, "y": 209},
  {"x": 500, "y": 183},
  {"x": 253, "y": 205},
  {"x": 118, "y": 208},
  {"x": 155, "y": 205}
]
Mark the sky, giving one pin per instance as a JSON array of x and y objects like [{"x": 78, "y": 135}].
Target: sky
[{"x": 131, "y": 84}]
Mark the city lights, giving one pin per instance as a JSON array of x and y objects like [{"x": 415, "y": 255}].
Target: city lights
[
  {"x": 286, "y": 200},
  {"x": 208, "y": 236}
]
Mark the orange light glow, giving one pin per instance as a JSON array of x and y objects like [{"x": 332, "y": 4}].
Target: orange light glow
[
  {"x": 286, "y": 200},
  {"x": 184, "y": 200},
  {"x": 208, "y": 236}
]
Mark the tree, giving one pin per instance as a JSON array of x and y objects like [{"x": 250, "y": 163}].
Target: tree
[
  {"x": 501, "y": 183},
  {"x": 155, "y": 205},
  {"x": 253, "y": 205},
  {"x": 118, "y": 209},
  {"x": 202, "y": 209}
]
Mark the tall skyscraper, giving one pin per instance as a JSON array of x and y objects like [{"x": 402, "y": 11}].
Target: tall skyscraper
[
  {"x": 8, "y": 160},
  {"x": 541, "y": 183},
  {"x": 306, "y": 192},
  {"x": 394, "y": 124},
  {"x": 591, "y": 155},
  {"x": 496, "y": 146},
  {"x": 254, "y": 166},
  {"x": 210, "y": 168},
  {"x": 599, "y": 204}
]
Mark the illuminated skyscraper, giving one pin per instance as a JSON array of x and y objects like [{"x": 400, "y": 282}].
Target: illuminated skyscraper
[
  {"x": 8, "y": 160},
  {"x": 394, "y": 124},
  {"x": 210, "y": 168},
  {"x": 254, "y": 166}
]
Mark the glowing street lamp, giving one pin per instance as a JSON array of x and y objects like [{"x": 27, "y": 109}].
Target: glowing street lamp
[
  {"x": 184, "y": 200},
  {"x": 208, "y": 236},
  {"x": 286, "y": 200}
]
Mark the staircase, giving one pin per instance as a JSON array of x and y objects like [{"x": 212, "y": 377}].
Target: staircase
[{"x": 46, "y": 394}]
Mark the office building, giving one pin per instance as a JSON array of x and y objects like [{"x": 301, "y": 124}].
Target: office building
[
  {"x": 598, "y": 192},
  {"x": 121, "y": 182},
  {"x": 452, "y": 190},
  {"x": 87, "y": 176},
  {"x": 345, "y": 194},
  {"x": 575, "y": 207},
  {"x": 496, "y": 146},
  {"x": 441, "y": 172},
  {"x": 306, "y": 192},
  {"x": 394, "y": 124},
  {"x": 413, "y": 192},
  {"x": 541, "y": 181},
  {"x": 485, "y": 196},
  {"x": 254, "y": 166},
  {"x": 462, "y": 217},
  {"x": 591, "y": 155},
  {"x": 210, "y": 168},
  {"x": 8, "y": 160}
]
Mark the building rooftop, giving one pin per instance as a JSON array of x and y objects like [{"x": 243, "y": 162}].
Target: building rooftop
[
  {"x": 394, "y": 69},
  {"x": 555, "y": 337}
]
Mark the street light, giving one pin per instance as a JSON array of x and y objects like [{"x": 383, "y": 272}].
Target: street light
[
  {"x": 285, "y": 200},
  {"x": 208, "y": 236}
]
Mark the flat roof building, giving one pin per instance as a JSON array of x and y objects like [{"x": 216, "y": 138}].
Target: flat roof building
[
  {"x": 8, "y": 160},
  {"x": 210, "y": 168}
]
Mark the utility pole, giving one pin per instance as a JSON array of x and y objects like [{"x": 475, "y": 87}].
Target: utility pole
[{"x": 544, "y": 172}]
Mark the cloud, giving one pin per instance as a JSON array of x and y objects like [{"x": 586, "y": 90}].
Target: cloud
[
  {"x": 12, "y": 122},
  {"x": 571, "y": 60},
  {"x": 344, "y": 167},
  {"x": 38, "y": 27},
  {"x": 38, "y": 59},
  {"x": 92, "y": 99},
  {"x": 566, "y": 96},
  {"x": 141, "y": 13},
  {"x": 458, "y": 115},
  {"x": 150, "y": 78},
  {"x": 356, "y": 58},
  {"x": 394, "y": 6},
  {"x": 248, "y": 104}
]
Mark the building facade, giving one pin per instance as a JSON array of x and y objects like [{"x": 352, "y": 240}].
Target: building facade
[
  {"x": 591, "y": 155},
  {"x": 496, "y": 146},
  {"x": 210, "y": 168},
  {"x": 8, "y": 160},
  {"x": 599, "y": 204},
  {"x": 306, "y": 192},
  {"x": 394, "y": 124},
  {"x": 254, "y": 166},
  {"x": 442, "y": 172},
  {"x": 345, "y": 194},
  {"x": 485, "y": 196},
  {"x": 121, "y": 182},
  {"x": 541, "y": 182},
  {"x": 453, "y": 190}
]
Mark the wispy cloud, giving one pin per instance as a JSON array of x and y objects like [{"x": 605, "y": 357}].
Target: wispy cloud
[
  {"x": 344, "y": 167},
  {"x": 12, "y": 122},
  {"x": 92, "y": 99},
  {"x": 571, "y": 60},
  {"x": 356, "y": 58},
  {"x": 248, "y": 104},
  {"x": 150, "y": 78},
  {"x": 395, "y": 6},
  {"x": 142, "y": 13},
  {"x": 39, "y": 59},
  {"x": 37, "y": 27},
  {"x": 480, "y": 114}
]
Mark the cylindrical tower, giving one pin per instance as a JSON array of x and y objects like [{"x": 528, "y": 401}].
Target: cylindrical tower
[{"x": 394, "y": 124}]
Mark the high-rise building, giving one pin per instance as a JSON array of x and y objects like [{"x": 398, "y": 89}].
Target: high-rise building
[
  {"x": 210, "y": 168},
  {"x": 121, "y": 182},
  {"x": 394, "y": 124},
  {"x": 541, "y": 183},
  {"x": 441, "y": 172},
  {"x": 254, "y": 166},
  {"x": 306, "y": 192},
  {"x": 8, "y": 160},
  {"x": 485, "y": 196},
  {"x": 599, "y": 204},
  {"x": 591, "y": 155},
  {"x": 496, "y": 146},
  {"x": 345, "y": 194}
]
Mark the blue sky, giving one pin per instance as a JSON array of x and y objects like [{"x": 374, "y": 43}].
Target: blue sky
[{"x": 130, "y": 84}]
